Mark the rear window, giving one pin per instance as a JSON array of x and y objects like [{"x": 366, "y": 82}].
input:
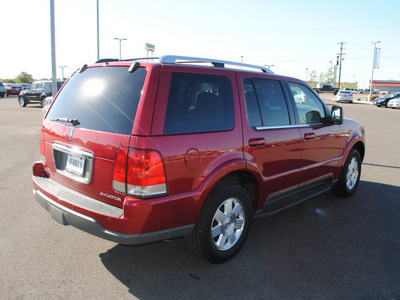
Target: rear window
[{"x": 102, "y": 99}]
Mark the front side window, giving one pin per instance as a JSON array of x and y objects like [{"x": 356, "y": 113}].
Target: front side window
[
  {"x": 265, "y": 103},
  {"x": 199, "y": 103},
  {"x": 309, "y": 108}
]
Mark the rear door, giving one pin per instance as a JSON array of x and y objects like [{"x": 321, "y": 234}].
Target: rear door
[
  {"x": 89, "y": 120},
  {"x": 272, "y": 142}
]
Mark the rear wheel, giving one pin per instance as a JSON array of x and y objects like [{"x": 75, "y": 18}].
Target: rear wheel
[
  {"x": 43, "y": 101},
  {"x": 350, "y": 176},
  {"x": 22, "y": 102},
  {"x": 223, "y": 224}
]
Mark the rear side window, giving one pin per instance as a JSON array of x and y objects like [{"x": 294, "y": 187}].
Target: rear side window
[
  {"x": 101, "y": 99},
  {"x": 265, "y": 103},
  {"x": 199, "y": 103}
]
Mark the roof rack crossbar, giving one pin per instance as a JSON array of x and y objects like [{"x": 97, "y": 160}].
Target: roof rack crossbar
[{"x": 172, "y": 59}]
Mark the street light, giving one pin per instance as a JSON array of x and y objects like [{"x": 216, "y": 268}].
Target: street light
[
  {"x": 269, "y": 66},
  {"x": 306, "y": 74},
  {"x": 62, "y": 72},
  {"x": 373, "y": 67},
  {"x": 120, "y": 39}
]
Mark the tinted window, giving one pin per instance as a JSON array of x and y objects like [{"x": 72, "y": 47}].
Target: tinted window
[
  {"x": 265, "y": 103},
  {"x": 102, "y": 99},
  {"x": 310, "y": 110},
  {"x": 199, "y": 103},
  {"x": 252, "y": 106}
]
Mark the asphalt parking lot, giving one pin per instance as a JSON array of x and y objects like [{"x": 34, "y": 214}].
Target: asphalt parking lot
[{"x": 326, "y": 248}]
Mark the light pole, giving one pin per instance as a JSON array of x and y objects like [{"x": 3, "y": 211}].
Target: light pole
[
  {"x": 306, "y": 74},
  {"x": 120, "y": 40},
  {"x": 269, "y": 66},
  {"x": 53, "y": 49},
  {"x": 62, "y": 72},
  {"x": 98, "y": 32},
  {"x": 373, "y": 67}
]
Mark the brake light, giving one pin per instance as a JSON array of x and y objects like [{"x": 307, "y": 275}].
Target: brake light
[{"x": 139, "y": 173}]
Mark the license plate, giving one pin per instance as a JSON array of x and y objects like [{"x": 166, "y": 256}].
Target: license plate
[{"x": 75, "y": 165}]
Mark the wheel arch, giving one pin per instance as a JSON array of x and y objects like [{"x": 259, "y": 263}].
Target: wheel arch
[
  {"x": 360, "y": 147},
  {"x": 245, "y": 179}
]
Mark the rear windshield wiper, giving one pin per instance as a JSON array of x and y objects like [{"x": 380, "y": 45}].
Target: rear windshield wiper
[{"x": 74, "y": 122}]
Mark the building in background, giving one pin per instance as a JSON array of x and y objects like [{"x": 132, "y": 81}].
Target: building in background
[{"x": 389, "y": 86}]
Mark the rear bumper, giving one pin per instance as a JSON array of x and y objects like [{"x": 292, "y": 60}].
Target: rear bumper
[{"x": 67, "y": 216}]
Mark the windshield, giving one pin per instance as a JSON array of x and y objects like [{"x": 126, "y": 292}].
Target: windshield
[
  {"x": 101, "y": 99},
  {"x": 393, "y": 95}
]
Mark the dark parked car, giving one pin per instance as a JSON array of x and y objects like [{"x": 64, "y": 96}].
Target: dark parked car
[
  {"x": 12, "y": 89},
  {"x": 137, "y": 151},
  {"x": 37, "y": 92},
  {"x": 2, "y": 90},
  {"x": 383, "y": 101}
]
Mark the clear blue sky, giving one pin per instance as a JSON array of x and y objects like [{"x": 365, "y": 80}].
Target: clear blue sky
[{"x": 292, "y": 35}]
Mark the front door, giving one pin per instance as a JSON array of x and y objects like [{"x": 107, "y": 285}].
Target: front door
[{"x": 321, "y": 140}]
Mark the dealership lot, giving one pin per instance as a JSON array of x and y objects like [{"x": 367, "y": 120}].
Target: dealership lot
[{"x": 326, "y": 248}]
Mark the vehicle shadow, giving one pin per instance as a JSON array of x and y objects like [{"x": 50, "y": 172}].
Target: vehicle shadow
[{"x": 325, "y": 248}]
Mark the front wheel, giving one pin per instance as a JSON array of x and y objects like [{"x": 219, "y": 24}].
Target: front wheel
[
  {"x": 350, "y": 176},
  {"x": 43, "y": 101},
  {"x": 223, "y": 224},
  {"x": 22, "y": 102}
]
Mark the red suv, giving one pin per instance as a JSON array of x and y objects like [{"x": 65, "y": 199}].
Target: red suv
[{"x": 137, "y": 151}]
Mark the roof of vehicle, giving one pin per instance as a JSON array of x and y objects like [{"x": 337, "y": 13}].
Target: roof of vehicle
[{"x": 188, "y": 60}]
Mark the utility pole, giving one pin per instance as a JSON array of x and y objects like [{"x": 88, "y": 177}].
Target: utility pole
[{"x": 340, "y": 61}]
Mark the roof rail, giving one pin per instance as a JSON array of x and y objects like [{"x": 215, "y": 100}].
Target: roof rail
[{"x": 172, "y": 59}]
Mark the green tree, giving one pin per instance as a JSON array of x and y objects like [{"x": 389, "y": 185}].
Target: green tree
[
  {"x": 24, "y": 77},
  {"x": 313, "y": 79},
  {"x": 329, "y": 76}
]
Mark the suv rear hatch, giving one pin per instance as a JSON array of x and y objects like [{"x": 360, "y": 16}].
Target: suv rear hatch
[{"x": 91, "y": 118}]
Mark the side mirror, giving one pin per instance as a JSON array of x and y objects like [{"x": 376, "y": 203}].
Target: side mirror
[{"x": 337, "y": 115}]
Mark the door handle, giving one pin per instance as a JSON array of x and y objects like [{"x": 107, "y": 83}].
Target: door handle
[
  {"x": 257, "y": 142},
  {"x": 309, "y": 136}
]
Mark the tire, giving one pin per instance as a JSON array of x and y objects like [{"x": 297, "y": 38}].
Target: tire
[
  {"x": 22, "y": 102},
  {"x": 43, "y": 101},
  {"x": 350, "y": 176},
  {"x": 223, "y": 224}
]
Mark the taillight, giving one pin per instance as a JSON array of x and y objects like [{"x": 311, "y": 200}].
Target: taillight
[
  {"x": 139, "y": 173},
  {"x": 119, "y": 174},
  {"x": 41, "y": 146}
]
